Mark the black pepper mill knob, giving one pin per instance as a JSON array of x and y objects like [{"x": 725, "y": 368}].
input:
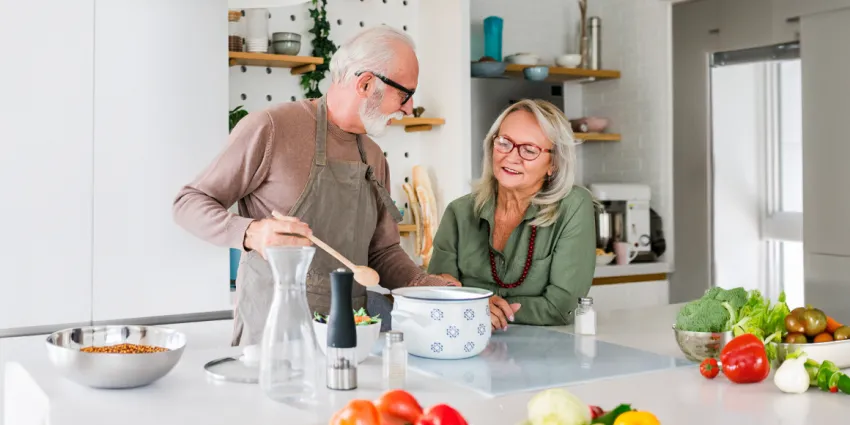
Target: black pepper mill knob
[{"x": 342, "y": 334}]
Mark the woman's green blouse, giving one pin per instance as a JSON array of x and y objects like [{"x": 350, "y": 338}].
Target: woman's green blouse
[{"x": 562, "y": 266}]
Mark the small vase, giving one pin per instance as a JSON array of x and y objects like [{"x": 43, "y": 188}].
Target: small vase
[
  {"x": 584, "y": 53},
  {"x": 290, "y": 368}
]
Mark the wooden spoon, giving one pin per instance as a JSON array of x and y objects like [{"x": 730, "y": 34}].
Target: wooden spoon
[{"x": 364, "y": 275}]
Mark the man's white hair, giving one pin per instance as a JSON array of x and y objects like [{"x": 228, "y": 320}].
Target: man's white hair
[{"x": 370, "y": 50}]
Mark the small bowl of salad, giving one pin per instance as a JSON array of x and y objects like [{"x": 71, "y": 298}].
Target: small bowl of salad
[{"x": 368, "y": 331}]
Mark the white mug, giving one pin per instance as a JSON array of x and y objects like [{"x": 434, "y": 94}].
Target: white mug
[{"x": 625, "y": 252}]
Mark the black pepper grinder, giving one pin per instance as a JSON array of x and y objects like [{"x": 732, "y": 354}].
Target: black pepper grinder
[{"x": 342, "y": 334}]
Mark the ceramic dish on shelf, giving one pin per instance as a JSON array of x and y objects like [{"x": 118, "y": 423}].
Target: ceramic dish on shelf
[
  {"x": 488, "y": 69},
  {"x": 523, "y": 59},
  {"x": 568, "y": 61},
  {"x": 536, "y": 73}
]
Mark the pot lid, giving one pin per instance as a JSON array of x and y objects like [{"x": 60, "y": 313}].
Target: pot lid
[{"x": 442, "y": 293}]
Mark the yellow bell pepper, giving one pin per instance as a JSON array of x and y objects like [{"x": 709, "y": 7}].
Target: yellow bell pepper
[{"x": 636, "y": 418}]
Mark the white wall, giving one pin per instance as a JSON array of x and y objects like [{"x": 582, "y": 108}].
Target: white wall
[
  {"x": 636, "y": 40},
  {"x": 737, "y": 100}
]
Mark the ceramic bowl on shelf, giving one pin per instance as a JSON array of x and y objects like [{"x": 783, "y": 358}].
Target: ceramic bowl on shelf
[
  {"x": 698, "y": 346},
  {"x": 444, "y": 323},
  {"x": 523, "y": 59},
  {"x": 286, "y": 47},
  {"x": 114, "y": 370},
  {"x": 536, "y": 73},
  {"x": 568, "y": 61},
  {"x": 367, "y": 336},
  {"x": 286, "y": 36},
  {"x": 488, "y": 69}
]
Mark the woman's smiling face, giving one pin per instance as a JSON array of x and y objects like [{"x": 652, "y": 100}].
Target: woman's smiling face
[{"x": 521, "y": 135}]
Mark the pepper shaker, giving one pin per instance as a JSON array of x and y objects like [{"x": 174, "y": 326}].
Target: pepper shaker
[{"x": 342, "y": 334}]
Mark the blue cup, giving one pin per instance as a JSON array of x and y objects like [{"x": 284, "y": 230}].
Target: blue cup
[{"x": 493, "y": 37}]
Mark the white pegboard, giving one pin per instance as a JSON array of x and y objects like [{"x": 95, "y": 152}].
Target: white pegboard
[{"x": 258, "y": 87}]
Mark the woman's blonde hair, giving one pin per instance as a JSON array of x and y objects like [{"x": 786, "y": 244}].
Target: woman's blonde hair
[{"x": 557, "y": 128}]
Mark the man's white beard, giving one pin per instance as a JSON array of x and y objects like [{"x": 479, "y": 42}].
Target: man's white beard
[{"x": 373, "y": 120}]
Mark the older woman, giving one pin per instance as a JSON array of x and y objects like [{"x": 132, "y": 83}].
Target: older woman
[{"x": 525, "y": 232}]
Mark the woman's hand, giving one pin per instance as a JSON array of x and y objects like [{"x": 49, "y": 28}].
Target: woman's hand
[{"x": 501, "y": 312}]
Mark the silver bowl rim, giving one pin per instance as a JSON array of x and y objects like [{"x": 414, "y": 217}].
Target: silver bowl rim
[
  {"x": 677, "y": 330},
  {"x": 183, "y": 340}
]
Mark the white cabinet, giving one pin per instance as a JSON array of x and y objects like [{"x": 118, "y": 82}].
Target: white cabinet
[
  {"x": 745, "y": 24},
  {"x": 630, "y": 295},
  {"x": 46, "y": 163},
  {"x": 826, "y": 100},
  {"x": 160, "y": 117}
]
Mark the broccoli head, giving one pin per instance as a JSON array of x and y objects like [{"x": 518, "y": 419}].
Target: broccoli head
[
  {"x": 705, "y": 315},
  {"x": 736, "y": 297}
]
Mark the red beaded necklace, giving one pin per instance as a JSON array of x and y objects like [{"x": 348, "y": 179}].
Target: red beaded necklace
[{"x": 524, "y": 269}]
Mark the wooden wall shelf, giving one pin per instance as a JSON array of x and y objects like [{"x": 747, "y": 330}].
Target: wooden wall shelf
[
  {"x": 405, "y": 229},
  {"x": 558, "y": 74},
  {"x": 412, "y": 124},
  {"x": 298, "y": 64},
  {"x": 598, "y": 137}
]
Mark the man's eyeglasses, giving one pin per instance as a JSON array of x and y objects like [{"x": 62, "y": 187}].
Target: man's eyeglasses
[
  {"x": 408, "y": 93},
  {"x": 527, "y": 151}
]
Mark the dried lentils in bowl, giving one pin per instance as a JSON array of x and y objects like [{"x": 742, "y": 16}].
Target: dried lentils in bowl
[{"x": 124, "y": 349}]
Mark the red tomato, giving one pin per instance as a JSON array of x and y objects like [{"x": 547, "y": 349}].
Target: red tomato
[
  {"x": 709, "y": 368},
  {"x": 398, "y": 407},
  {"x": 357, "y": 412}
]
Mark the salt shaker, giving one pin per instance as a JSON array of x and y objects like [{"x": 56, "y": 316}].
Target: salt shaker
[
  {"x": 585, "y": 323},
  {"x": 395, "y": 360}
]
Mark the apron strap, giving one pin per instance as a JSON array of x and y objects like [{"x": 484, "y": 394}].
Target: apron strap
[
  {"x": 321, "y": 132},
  {"x": 378, "y": 186}
]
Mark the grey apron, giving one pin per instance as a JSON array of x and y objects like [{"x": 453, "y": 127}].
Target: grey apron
[{"x": 340, "y": 204}]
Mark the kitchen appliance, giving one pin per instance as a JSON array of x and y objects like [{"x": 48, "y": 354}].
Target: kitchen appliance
[
  {"x": 342, "y": 334},
  {"x": 624, "y": 216},
  {"x": 444, "y": 323}
]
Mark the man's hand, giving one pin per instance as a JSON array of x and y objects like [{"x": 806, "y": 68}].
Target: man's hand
[
  {"x": 501, "y": 312},
  {"x": 450, "y": 280},
  {"x": 281, "y": 231}
]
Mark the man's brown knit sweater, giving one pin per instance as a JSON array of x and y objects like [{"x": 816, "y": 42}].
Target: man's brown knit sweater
[{"x": 265, "y": 166}]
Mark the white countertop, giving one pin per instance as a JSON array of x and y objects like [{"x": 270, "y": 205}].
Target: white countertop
[{"x": 34, "y": 394}]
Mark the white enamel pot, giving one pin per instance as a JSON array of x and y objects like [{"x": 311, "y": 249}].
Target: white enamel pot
[{"x": 443, "y": 323}]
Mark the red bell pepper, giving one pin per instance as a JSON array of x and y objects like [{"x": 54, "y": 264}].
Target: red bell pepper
[
  {"x": 744, "y": 360},
  {"x": 441, "y": 414}
]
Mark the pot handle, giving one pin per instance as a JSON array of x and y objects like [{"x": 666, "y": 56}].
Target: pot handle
[{"x": 401, "y": 316}]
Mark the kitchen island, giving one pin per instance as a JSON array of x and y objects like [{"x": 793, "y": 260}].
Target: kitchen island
[{"x": 34, "y": 394}]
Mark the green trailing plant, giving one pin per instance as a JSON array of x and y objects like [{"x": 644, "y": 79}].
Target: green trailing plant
[
  {"x": 323, "y": 48},
  {"x": 235, "y": 115}
]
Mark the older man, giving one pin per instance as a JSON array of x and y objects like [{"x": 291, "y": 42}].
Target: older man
[{"x": 310, "y": 161}]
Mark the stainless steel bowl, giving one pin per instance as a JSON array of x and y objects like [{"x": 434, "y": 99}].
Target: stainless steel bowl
[
  {"x": 107, "y": 370},
  {"x": 837, "y": 352},
  {"x": 698, "y": 346}
]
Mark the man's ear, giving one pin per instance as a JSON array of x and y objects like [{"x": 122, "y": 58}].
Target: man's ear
[{"x": 364, "y": 84}]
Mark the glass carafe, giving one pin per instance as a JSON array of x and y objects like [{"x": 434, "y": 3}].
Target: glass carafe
[{"x": 290, "y": 359}]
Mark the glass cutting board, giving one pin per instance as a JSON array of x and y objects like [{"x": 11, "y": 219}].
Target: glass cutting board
[{"x": 527, "y": 358}]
